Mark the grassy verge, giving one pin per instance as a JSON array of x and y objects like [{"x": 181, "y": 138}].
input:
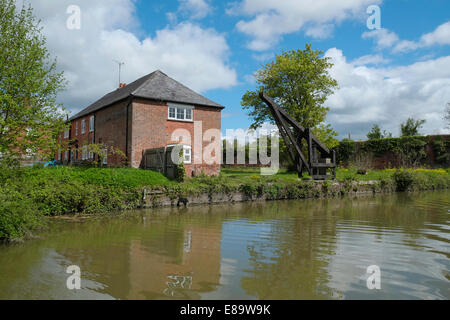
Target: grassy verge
[{"x": 28, "y": 194}]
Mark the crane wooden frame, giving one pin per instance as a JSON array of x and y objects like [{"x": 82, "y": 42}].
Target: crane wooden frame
[{"x": 292, "y": 134}]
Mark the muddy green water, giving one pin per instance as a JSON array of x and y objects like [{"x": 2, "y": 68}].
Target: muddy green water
[{"x": 306, "y": 249}]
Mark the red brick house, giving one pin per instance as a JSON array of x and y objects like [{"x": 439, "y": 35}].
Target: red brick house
[{"x": 142, "y": 115}]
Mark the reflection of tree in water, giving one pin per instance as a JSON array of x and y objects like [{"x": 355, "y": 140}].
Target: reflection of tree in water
[
  {"x": 292, "y": 260},
  {"x": 154, "y": 258}
]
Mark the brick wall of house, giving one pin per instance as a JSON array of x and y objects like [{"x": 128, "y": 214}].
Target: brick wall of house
[
  {"x": 151, "y": 128},
  {"x": 77, "y": 138},
  {"x": 111, "y": 128},
  {"x": 148, "y": 128},
  {"x": 211, "y": 119},
  {"x": 82, "y": 138}
]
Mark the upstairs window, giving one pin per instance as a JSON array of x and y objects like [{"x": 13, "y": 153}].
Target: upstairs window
[
  {"x": 180, "y": 112},
  {"x": 83, "y": 126},
  {"x": 172, "y": 112},
  {"x": 76, "y": 128},
  {"x": 66, "y": 134},
  {"x": 91, "y": 123}
]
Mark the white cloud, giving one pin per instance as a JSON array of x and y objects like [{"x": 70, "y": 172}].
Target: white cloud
[
  {"x": 388, "y": 96},
  {"x": 388, "y": 39},
  {"x": 382, "y": 37},
  {"x": 191, "y": 10},
  {"x": 198, "y": 9},
  {"x": 273, "y": 18},
  {"x": 192, "y": 55},
  {"x": 441, "y": 35},
  {"x": 320, "y": 31},
  {"x": 374, "y": 59}
]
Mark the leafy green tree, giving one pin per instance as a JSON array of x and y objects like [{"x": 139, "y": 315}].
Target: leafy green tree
[
  {"x": 411, "y": 127},
  {"x": 30, "y": 117},
  {"x": 375, "y": 133},
  {"x": 103, "y": 151},
  {"x": 300, "y": 82}
]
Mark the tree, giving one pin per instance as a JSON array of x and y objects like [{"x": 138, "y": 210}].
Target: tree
[
  {"x": 411, "y": 127},
  {"x": 375, "y": 133},
  {"x": 300, "y": 82},
  {"x": 447, "y": 115},
  {"x": 103, "y": 151},
  {"x": 30, "y": 117}
]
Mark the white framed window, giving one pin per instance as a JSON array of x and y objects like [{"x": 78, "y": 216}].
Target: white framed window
[
  {"x": 105, "y": 158},
  {"x": 83, "y": 126},
  {"x": 91, "y": 123},
  {"x": 84, "y": 153},
  {"x": 180, "y": 112},
  {"x": 187, "y": 153},
  {"x": 66, "y": 155},
  {"x": 172, "y": 112},
  {"x": 76, "y": 128},
  {"x": 66, "y": 134}
]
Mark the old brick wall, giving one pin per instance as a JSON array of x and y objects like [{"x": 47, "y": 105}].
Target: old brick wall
[
  {"x": 211, "y": 119},
  {"x": 110, "y": 129},
  {"x": 151, "y": 128},
  {"x": 148, "y": 128}
]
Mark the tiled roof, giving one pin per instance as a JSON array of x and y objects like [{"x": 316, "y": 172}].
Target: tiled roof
[{"x": 156, "y": 86}]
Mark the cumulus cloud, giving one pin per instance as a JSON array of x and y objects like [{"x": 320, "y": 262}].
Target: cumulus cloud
[
  {"x": 375, "y": 59},
  {"x": 193, "y": 55},
  {"x": 382, "y": 37},
  {"x": 198, "y": 9},
  {"x": 271, "y": 19},
  {"x": 389, "y": 39},
  {"x": 441, "y": 35},
  {"x": 387, "y": 95},
  {"x": 191, "y": 10}
]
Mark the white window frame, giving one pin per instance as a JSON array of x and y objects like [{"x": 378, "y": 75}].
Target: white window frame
[
  {"x": 105, "y": 158},
  {"x": 66, "y": 134},
  {"x": 185, "y": 147},
  {"x": 92, "y": 124},
  {"x": 83, "y": 126},
  {"x": 84, "y": 153},
  {"x": 178, "y": 107},
  {"x": 76, "y": 128}
]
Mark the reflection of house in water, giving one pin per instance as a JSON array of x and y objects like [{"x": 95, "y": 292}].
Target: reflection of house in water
[{"x": 189, "y": 265}]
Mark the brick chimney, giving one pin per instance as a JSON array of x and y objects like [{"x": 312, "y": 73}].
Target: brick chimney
[{"x": 122, "y": 85}]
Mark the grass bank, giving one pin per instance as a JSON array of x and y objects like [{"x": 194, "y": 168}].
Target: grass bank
[{"x": 29, "y": 194}]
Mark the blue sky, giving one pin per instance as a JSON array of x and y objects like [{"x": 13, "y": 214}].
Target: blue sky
[{"x": 214, "y": 47}]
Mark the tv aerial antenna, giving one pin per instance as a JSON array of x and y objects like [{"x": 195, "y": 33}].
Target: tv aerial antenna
[{"x": 120, "y": 64}]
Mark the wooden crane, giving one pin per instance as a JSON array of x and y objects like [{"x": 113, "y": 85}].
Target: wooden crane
[{"x": 320, "y": 158}]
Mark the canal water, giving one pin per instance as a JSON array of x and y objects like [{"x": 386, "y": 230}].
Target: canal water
[{"x": 305, "y": 249}]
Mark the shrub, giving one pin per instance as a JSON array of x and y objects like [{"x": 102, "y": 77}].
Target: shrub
[
  {"x": 180, "y": 170},
  {"x": 440, "y": 151},
  {"x": 18, "y": 215},
  {"x": 403, "y": 179}
]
